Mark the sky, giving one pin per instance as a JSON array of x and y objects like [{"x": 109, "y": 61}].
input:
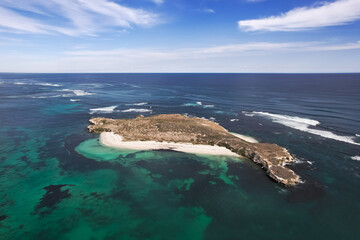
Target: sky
[{"x": 242, "y": 36}]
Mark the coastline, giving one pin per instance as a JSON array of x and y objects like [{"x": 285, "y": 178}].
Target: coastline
[
  {"x": 245, "y": 138},
  {"x": 192, "y": 135},
  {"x": 111, "y": 139}
]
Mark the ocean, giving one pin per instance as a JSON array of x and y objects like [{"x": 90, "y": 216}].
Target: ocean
[{"x": 58, "y": 182}]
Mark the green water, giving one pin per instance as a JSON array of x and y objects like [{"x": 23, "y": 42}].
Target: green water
[
  {"x": 144, "y": 195},
  {"x": 126, "y": 200}
]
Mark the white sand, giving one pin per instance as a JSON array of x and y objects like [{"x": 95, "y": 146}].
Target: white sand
[
  {"x": 245, "y": 138},
  {"x": 114, "y": 140}
]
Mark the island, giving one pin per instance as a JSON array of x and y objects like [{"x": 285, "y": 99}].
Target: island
[{"x": 181, "y": 132}]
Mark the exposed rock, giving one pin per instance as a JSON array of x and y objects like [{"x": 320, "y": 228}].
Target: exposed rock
[{"x": 183, "y": 129}]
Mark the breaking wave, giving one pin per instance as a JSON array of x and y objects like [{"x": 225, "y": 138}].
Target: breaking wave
[
  {"x": 75, "y": 92},
  {"x": 49, "y": 84},
  {"x": 304, "y": 124},
  {"x": 136, "y": 104},
  {"x": 132, "y": 85},
  {"x": 136, "y": 110},
  {"x": 103, "y": 110},
  {"x": 82, "y": 93},
  {"x": 357, "y": 158},
  {"x": 47, "y": 96},
  {"x": 197, "y": 104},
  {"x": 39, "y": 84}
]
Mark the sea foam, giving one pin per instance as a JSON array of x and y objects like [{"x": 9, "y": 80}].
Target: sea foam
[
  {"x": 82, "y": 93},
  {"x": 49, "y": 84},
  {"x": 357, "y": 158},
  {"x": 39, "y": 84},
  {"x": 109, "y": 109},
  {"x": 197, "y": 104},
  {"x": 304, "y": 124},
  {"x": 136, "y": 110},
  {"x": 75, "y": 92},
  {"x": 136, "y": 104}
]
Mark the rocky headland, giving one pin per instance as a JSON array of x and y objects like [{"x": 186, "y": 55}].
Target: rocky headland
[{"x": 176, "y": 128}]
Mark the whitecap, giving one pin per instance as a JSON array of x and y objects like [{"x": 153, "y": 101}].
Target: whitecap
[
  {"x": 358, "y": 135},
  {"x": 54, "y": 96},
  {"x": 248, "y": 114},
  {"x": 103, "y": 110},
  {"x": 49, "y": 84},
  {"x": 136, "y": 104},
  {"x": 196, "y": 104},
  {"x": 136, "y": 110},
  {"x": 82, "y": 93},
  {"x": 208, "y": 106},
  {"x": 132, "y": 85},
  {"x": 74, "y": 100},
  {"x": 356, "y": 158},
  {"x": 75, "y": 92},
  {"x": 39, "y": 84},
  {"x": 296, "y": 161},
  {"x": 234, "y": 120},
  {"x": 190, "y": 105},
  {"x": 212, "y": 119},
  {"x": 288, "y": 119},
  {"x": 304, "y": 124}
]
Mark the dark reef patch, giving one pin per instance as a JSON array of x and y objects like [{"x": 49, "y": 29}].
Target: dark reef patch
[
  {"x": 3, "y": 217},
  {"x": 54, "y": 194}
]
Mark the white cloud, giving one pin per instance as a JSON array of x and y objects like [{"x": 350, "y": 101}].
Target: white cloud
[
  {"x": 158, "y": 1},
  {"x": 70, "y": 17},
  {"x": 209, "y": 10},
  {"x": 336, "y": 13}
]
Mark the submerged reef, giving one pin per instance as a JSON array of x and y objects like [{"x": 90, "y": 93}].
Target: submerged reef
[{"x": 183, "y": 129}]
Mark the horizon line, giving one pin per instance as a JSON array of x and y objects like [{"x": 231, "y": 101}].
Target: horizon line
[{"x": 179, "y": 72}]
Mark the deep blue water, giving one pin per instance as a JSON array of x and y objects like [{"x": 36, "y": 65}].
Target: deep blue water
[{"x": 58, "y": 182}]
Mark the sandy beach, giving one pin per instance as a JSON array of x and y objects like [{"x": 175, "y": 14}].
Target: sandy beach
[
  {"x": 114, "y": 140},
  {"x": 245, "y": 138}
]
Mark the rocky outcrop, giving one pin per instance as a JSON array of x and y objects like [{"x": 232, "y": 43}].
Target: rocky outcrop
[{"x": 182, "y": 129}]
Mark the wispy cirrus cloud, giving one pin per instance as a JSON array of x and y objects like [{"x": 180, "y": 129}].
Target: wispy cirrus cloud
[
  {"x": 224, "y": 50},
  {"x": 70, "y": 17},
  {"x": 158, "y": 1},
  {"x": 255, "y": 0},
  {"x": 246, "y": 57},
  {"x": 326, "y": 14}
]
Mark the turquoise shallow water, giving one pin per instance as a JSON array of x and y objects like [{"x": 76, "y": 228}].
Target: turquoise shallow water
[{"x": 58, "y": 182}]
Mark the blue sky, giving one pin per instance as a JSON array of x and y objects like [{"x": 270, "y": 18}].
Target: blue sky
[{"x": 180, "y": 36}]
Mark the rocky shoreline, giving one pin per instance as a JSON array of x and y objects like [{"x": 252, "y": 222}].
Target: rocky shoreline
[{"x": 183, "y": 129}]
